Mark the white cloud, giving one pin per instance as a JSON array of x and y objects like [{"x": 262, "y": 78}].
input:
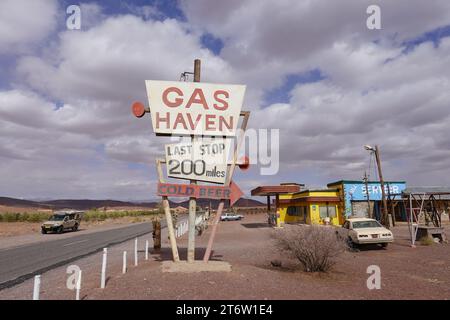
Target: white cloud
[
  {"x": 265, "y": 40},
  {"x": 24, "y": 23},
  {"x": 373, "y": 93},
  {"x": 402, "y": 105},
  {"x": 97, "y": 74}
]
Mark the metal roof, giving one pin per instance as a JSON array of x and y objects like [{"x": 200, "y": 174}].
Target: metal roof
[
  {"x": 361, "y": 182},
  {"x": 274, "y": 190},
  {"x": 428, "y": 190}
]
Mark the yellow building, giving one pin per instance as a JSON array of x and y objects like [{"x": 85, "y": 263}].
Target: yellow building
[{"x": 310, "y": 207}]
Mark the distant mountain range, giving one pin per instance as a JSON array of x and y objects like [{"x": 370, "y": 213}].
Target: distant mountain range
[{"x": 92, "y": 204}]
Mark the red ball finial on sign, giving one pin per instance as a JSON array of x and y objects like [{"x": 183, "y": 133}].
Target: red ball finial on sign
[
  {"x": 245, "y": 163},
  {"x": 138, "y": 109}
]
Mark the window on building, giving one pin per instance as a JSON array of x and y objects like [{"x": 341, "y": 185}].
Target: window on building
[
  {"x": 293, "y": 211},
  {"x": 300, "y": 212},
  {"x": 327, "y": 211}
]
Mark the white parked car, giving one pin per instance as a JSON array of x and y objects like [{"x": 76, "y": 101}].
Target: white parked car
[
  {"x": 230, "y": 217},
  {"x": 367, "y": 231}
]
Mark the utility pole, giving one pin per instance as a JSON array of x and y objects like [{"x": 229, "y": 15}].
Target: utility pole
[
  {"x": 192, "y": 200},
  {"x": 366, "y": 180},
  {"x": 384, "y": 211}
]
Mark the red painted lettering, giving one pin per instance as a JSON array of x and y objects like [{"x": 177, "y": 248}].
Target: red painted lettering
[
  {"x": 209, "y": 123},
  {"x": 192, "y": 124},
  {"x": 223, "y": 102},
  {"x": 177, "y": 102},
  {"x": 159, "y": 120},
  {"x": 223, "y": 123},
  {"x": 180, "y": 119},
  {"x": 199, "y": 98}
]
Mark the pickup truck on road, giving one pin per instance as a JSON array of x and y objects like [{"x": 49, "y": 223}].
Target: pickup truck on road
[{"x": 61, "y": 221}]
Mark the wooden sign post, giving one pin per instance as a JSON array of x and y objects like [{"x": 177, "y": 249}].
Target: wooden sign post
[{"x": 192, "y": 200}]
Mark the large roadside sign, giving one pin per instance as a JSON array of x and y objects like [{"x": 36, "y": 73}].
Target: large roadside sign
[
  {"x": 194, "y": 108},
  {"x": 232, "y": 193},
  {"x": 201, "y": 161}
]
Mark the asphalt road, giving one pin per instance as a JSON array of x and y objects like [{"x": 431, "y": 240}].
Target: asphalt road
[{"x": 20, "y": 263}]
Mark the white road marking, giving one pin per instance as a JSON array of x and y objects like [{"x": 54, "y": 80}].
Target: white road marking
[{"x": 69, "y": 244}]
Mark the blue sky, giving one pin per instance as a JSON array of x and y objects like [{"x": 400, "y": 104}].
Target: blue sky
[{"x": 314, "y": 72}]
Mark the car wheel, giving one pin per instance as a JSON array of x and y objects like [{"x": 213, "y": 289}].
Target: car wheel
[
  {"x": 61, "y": 229},
  {"x": 384, "y": 245},
  {"x": 43, "y": 231},
  {"x": 75, "y": 227},
  {"x": 351, "y": 244}
]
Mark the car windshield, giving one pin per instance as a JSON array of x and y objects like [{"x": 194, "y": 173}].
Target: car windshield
[
  {"x": 57, "y": 217},
  {"x": 366, "y": 224}
]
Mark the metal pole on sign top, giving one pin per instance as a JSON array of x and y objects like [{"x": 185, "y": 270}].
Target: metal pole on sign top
[{"x": 192, "y": 200}]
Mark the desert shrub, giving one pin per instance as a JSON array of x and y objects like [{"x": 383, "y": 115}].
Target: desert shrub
[
  {"x": 95, "y": 215},
  {"x": 102, "y": 216},
  {"x": 24, "y": 216},
  {"x": 11, "y": 217},
  {"x": 38, "y": 217},
  {"x": 114, "y": 215},
  {"x": 315, "y": 247},
  {"x": 426, "y": 241},
  {"x": 34, "y": 217}
]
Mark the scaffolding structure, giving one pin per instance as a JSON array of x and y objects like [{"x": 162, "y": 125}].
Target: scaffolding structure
[{"x": 424, "y": 213}]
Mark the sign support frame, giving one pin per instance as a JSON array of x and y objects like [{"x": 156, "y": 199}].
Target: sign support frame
[
  {"x": 246, "y": 115},
  {"x": 166, "y": 205}
]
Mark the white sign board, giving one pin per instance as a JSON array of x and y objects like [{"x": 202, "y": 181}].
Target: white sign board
[
  {"x": 202, "y": 161},
  {"x": 194, "y": 108}
]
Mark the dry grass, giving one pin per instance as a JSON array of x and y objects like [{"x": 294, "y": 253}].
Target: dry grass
[{"x": 426, "y": 241}]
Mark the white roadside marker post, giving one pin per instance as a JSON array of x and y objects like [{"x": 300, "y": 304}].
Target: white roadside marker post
[
  {"x": 146, "y": 249},
  {"x": 135, "y": 252},
  {"x": 78, "y": 287},
  {"x": 124, "y": 265},
  {"x": 37, "y": 287},
  {"x": 103, "y": 279}
]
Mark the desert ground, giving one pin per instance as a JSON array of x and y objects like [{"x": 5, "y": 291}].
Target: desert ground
[{"x": 406, "y": 273}]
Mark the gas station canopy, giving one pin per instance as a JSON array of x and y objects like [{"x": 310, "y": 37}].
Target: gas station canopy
[{"x": 278, "y": 189}]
